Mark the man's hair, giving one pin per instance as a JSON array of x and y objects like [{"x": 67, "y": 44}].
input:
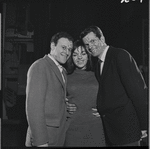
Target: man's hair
[
  {"x": 59, "y": 35},
  {"x": 70, "y": 66},
  {"x": 96, "y": 30}
]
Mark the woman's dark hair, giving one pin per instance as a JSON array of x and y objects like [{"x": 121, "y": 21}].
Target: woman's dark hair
[{"x": 70, "y": 66}]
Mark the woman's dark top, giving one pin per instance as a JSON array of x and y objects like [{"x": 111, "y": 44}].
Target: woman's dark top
[{"x": 85, "y": 129}]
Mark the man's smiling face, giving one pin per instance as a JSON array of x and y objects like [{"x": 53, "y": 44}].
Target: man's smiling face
[
  {"x": 62, "y": 50},
  {"x": 93, "y": 44}
]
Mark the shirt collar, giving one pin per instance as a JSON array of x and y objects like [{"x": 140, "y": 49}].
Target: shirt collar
[
  {"x": 57, "y": 64},
  {"x": 102, "y": 58}
]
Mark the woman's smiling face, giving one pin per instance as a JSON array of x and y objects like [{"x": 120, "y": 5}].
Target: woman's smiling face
[{"x": 80, "y": 57}]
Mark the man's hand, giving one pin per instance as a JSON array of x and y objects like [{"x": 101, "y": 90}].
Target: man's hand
[
  {"x": 71, "y": 108},
  {"x": 144, "y": 134},
  {"x": 95, "y": 113},
  {"x": 44, "y": 145}
]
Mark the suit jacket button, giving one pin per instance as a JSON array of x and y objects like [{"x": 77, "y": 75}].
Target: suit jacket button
[{"x": 103, "y": 115}]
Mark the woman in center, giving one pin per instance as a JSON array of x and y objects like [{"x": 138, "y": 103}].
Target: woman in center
[{"x": 86, "y": 128}]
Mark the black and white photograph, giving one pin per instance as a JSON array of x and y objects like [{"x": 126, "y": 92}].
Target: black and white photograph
[{"x": 74, "y": 73}]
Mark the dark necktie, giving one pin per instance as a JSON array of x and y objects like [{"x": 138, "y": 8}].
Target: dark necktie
[{"x": 98, "y": 70}]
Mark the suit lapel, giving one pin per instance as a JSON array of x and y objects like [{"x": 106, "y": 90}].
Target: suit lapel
[{"x": 56, "y": 71}]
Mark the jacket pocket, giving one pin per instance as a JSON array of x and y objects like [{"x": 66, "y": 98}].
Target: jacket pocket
[{"x": 53, "y": 123}]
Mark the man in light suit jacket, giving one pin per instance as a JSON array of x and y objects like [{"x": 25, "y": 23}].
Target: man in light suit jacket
[
  {"x": 122, "y": 97},
  {"x": 46, "y": 93}
]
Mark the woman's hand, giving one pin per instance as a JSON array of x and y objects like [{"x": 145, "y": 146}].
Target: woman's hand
[
  {"x": 95, "y": 113},
  {"x": 71, "y": 108}
]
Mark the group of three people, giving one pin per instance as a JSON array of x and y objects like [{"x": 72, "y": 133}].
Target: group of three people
[{"x": 99, "y": 97}]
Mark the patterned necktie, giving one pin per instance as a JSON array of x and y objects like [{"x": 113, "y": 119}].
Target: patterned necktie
[{"x": 62, "y": 72}]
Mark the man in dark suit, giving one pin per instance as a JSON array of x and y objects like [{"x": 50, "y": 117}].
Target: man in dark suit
[
  {"x": 122, "y": 96},
  {"x": 46, "y": 93}
]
